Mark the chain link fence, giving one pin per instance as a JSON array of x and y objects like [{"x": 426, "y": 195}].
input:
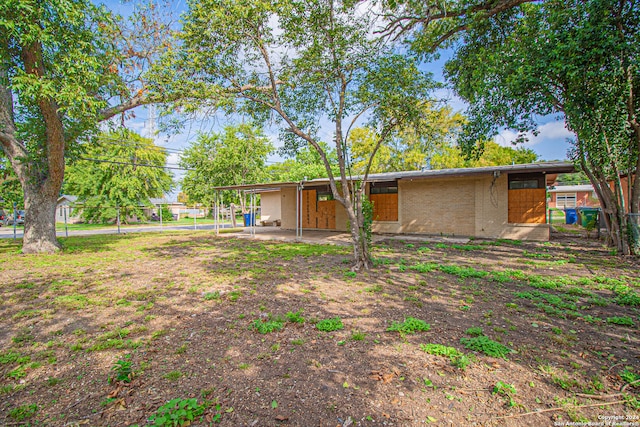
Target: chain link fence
[{"x": 74, "y": 216}]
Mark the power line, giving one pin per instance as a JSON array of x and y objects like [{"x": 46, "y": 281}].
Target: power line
[{"x": 136, "y": 164}]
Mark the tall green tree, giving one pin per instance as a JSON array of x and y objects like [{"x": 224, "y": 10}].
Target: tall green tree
[
  {"x": 235, "y": 156},
  {"x": 318, "y": 68},
  {"x": 307, "y": 164},
  {"x": 408, "y": 150},
  {"x": 493, "y": 154},
  {"x": 65, "y": 65},
  {"x": 120, "y": 171},
  {"x": 518, "y": 60}
]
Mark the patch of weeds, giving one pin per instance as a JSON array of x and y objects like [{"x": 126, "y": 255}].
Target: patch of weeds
[
  {"x": 26, "y": 314},
  {"x": 507, "y": 391},
  {"x": 295, "y": 317},
  {"x": 179, "y": 412},
  {"x": 564, "y": 381},
  {"x": 624, "y": 321},
  {"x": 358, "y": 336},
  {"x": 467, "y": 247},
  {"x": 24, "y": 336},
  {"x": 23, "y": 412},
  {"x": 13, "y": 357},
  {"x": 350, "y": 274},
  {"x": 158, "y": 334},
  {"x": 410, "y": 325},
  {"x": 121, "y": 370},
  {"x": 115, "y": 343},
  {"x": 486, "y": 345},
  {"x": 629, "y": 376},
  {"x": 374, "y": 288},
  {"x": 267, "y": 326},
  {"x": 73, "y": 301},
  {"x": 631, "y": 401},
  {"x": 233, "y": 296},
  {"x": 209, "y": 296},
  {"x": 243, "y": 366},
  {"x": 173, "y": 375},
  {"x": 11, "y": 388},
  {"x": 458, "y": 359},
  {"x": 463, "y": 272},
  {"x": 424, "y": 267},
  {"x": 123, "y": 302},
  {"x": 330, "y": 325},
  {"x": 627, "y": 297},
  {"x": 476, "y": 331},
  {"x": 182, "y": 349}
]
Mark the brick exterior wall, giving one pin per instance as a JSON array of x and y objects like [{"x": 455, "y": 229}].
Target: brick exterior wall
[{"x": 457, "y": 206}]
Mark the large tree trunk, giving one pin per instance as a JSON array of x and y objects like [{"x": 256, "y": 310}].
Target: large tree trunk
[{"x": 40, "y": 223}]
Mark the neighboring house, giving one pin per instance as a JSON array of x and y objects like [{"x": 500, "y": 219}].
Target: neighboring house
[
  {"x": 488, "y": 202},
  {"x": 66, "y": 209},
  {"x": 176, "y": 208},
  {"x": 573, "y": 196}
]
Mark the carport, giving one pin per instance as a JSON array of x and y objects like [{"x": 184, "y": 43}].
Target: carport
[{"x": 252, "y": 190}]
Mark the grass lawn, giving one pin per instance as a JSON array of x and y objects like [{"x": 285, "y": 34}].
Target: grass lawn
[
  {"x": 182, "y": 221},
  {"x": 159, "y": 328}
]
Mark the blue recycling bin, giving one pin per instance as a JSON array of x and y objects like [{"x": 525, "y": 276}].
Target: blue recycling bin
[
  {"x": 570, "y": 216},
  {"x": 249, "y": 219}
]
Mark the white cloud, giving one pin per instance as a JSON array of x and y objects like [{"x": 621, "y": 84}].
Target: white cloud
[{"x": 549, "y": 131}]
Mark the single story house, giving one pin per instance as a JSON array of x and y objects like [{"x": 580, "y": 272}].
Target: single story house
[
  {"x": 573, "y": 196},
  {"x": 66, "y": 210},
  {"x": 487, "y": 202},
  {"x": 177, "y": 209}
]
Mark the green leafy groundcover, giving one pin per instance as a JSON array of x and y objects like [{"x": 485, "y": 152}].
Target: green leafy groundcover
[
  {"x": 177, "y": 412},
  {"x": 486, "y": 345},
  {"x": 409, "y": 326}
]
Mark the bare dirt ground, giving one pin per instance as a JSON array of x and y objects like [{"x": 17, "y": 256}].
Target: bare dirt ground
[{"x": 181, "y": 316}]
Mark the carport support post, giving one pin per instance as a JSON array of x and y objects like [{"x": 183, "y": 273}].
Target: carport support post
[
  {"x": 252, "y": 214},
  {"x": 299, "y": 188},
  {"x": 217, "y": 212},
  {"x": 160, "y": 211}
]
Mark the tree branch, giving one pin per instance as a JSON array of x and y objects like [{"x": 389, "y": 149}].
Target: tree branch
[{"x": 402, "y": 24}]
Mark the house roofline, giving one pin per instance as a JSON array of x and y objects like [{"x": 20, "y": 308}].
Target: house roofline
[{"x": 546, "y": 168}]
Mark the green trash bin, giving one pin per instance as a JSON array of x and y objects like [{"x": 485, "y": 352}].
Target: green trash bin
[{"x": 588, "y": 215}]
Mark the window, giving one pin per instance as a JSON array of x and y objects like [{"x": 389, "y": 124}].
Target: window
[
  {"x": 324, "y": 197},
  {"x": 384, "y": 196},
  {"x": 522, "y": 181},
  {"x": 565, "y": 200}
]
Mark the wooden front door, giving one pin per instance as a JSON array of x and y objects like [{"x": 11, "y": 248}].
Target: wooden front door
[{"x": 317, "y": 214}]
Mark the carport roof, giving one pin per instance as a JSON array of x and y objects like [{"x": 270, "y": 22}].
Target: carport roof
[{"x": 549, "y": 168}]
